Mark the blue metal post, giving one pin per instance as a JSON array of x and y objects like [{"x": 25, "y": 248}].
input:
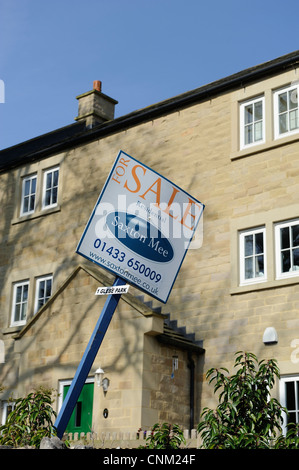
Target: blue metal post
[{"x": 87, "y": 361}]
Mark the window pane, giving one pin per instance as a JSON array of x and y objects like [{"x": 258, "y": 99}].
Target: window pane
[
  {"x": 54, "y": 196},
  {"x": 26, "y": 205},
  {"x": 260, "y": 265},
  {"x": 258, "y": 131},
  {"x": 283, "y": 106},
  {"x": 290, "y": 395},
  {"x": 259, "y": 243},
  {"x": 49, "y": 180},
  {"x": 27, "y": 187},
  {"x": 48, "y": 288},
  {"x": 41, "y": 289},
  {"x": 293, "y": 99},
  {"x": 297, "y": 389},
  {"x": 283, "y": 127},
  {"x": 296, "y": 259},
  {"x": 32, "y": 203},
  {"x": 285, "y": 237},
  {"x": 293, "y": 119},
  {"x": 25, "y": 292},
  {"x": 292, "y": 418},
  {"x": 33, "y": 185},
  {"x": 17, "y": 312},
  {"x": 19, "y": 294},
  {"x": 248, "y": 114},
  {"x": 23, "y": 311},
  {"x": 55, "y": 178},
  {"x": 249, "y": 268},
  {"x": 48, "y": 197},
  {"x": 285, "y": 261},
  {"x": 258, "y": 111},
  {"x": 248, "y": 135},
  {"x": 248, "y": 245},
  {"x": 295, "y": 235}
]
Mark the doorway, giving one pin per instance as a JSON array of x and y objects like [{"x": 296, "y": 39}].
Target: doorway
[{"x": 81, "y": 418}]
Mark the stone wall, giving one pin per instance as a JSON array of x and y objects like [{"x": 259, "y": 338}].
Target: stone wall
[{"x": 196, "y": 148}]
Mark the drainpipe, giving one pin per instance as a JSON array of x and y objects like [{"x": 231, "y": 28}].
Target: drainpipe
[{"x": 191, "y": 366}]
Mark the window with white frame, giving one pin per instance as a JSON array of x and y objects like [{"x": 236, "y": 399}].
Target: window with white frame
[
  {"x": 252, "y": 256},
  {"x": 289, "y": 399},
  {"x": 20, "y": 303},
  {"x": 43, "y": 291},
  {"x": 286, "y": 119},
  {"x": 287, "y": 249},
  {"x": 50, "y": 188},
  {"x": 28, "y": 195},
  {"x": 252, "y": 122},
  {"x": 8, "y": 407}
]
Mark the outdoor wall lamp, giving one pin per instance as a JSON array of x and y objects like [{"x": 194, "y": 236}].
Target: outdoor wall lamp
[
  {"x": 99, "y": 373},
  {"x": 270, "y": 335},
  {"x": 105, "y": 384},
  {"x": 101, "y": 380}
]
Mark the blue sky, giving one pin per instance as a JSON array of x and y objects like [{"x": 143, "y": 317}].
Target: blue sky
[{"x": 143, "y": 51}]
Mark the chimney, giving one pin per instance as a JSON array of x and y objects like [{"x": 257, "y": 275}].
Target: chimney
[{"x": 95, "y": 107}]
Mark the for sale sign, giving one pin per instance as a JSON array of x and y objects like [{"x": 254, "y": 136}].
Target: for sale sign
[{"x": 141, "y": 227}]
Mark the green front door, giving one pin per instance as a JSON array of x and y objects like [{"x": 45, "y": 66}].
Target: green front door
[{"x": 81, "y": 419}]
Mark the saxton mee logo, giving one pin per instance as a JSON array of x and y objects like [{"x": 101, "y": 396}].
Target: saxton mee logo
[{"x": 139, "y": 236}]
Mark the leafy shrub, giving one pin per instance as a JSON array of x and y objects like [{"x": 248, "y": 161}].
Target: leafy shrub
[
  {"x": 246, "y": 416},
  {"x": 164, "y": 436},
  {"x": 30, "y": 421}
]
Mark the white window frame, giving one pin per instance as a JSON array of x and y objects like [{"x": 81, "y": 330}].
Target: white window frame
[
  {"x": 283, "y": 398},
  {"x": 291, "y": 90},
  {"x": 30, "y": 195},
  {"x": 50, "y": 189},
  {"x": 242, "y": 235},
  {"x": 5, "y": 406},
  {"x": 243, "y": 125},
  {"x": 292, "y": 272},
  {"x": 23, "y": 302},
  {"x": 44, "y": 298}
]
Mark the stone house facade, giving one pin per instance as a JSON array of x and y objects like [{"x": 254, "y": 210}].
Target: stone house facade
[{"x": 233, "y": 144}]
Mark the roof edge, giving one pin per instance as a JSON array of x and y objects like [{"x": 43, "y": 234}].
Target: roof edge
[{"x": 153, "y": 111}]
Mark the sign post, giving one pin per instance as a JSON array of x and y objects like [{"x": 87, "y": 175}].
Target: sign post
[
  {"x": 140, "y": 230},
  {"x": 87, "y": 360}
]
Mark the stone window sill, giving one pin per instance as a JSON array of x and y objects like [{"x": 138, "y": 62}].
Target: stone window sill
[
  {"x": 36, "y": 215},
  {"x": 264, "y": 147},
  {"x": 273, "y": 284}
]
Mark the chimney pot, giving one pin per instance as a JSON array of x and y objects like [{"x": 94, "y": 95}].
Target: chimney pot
[{"x": 97, "y": 85}]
